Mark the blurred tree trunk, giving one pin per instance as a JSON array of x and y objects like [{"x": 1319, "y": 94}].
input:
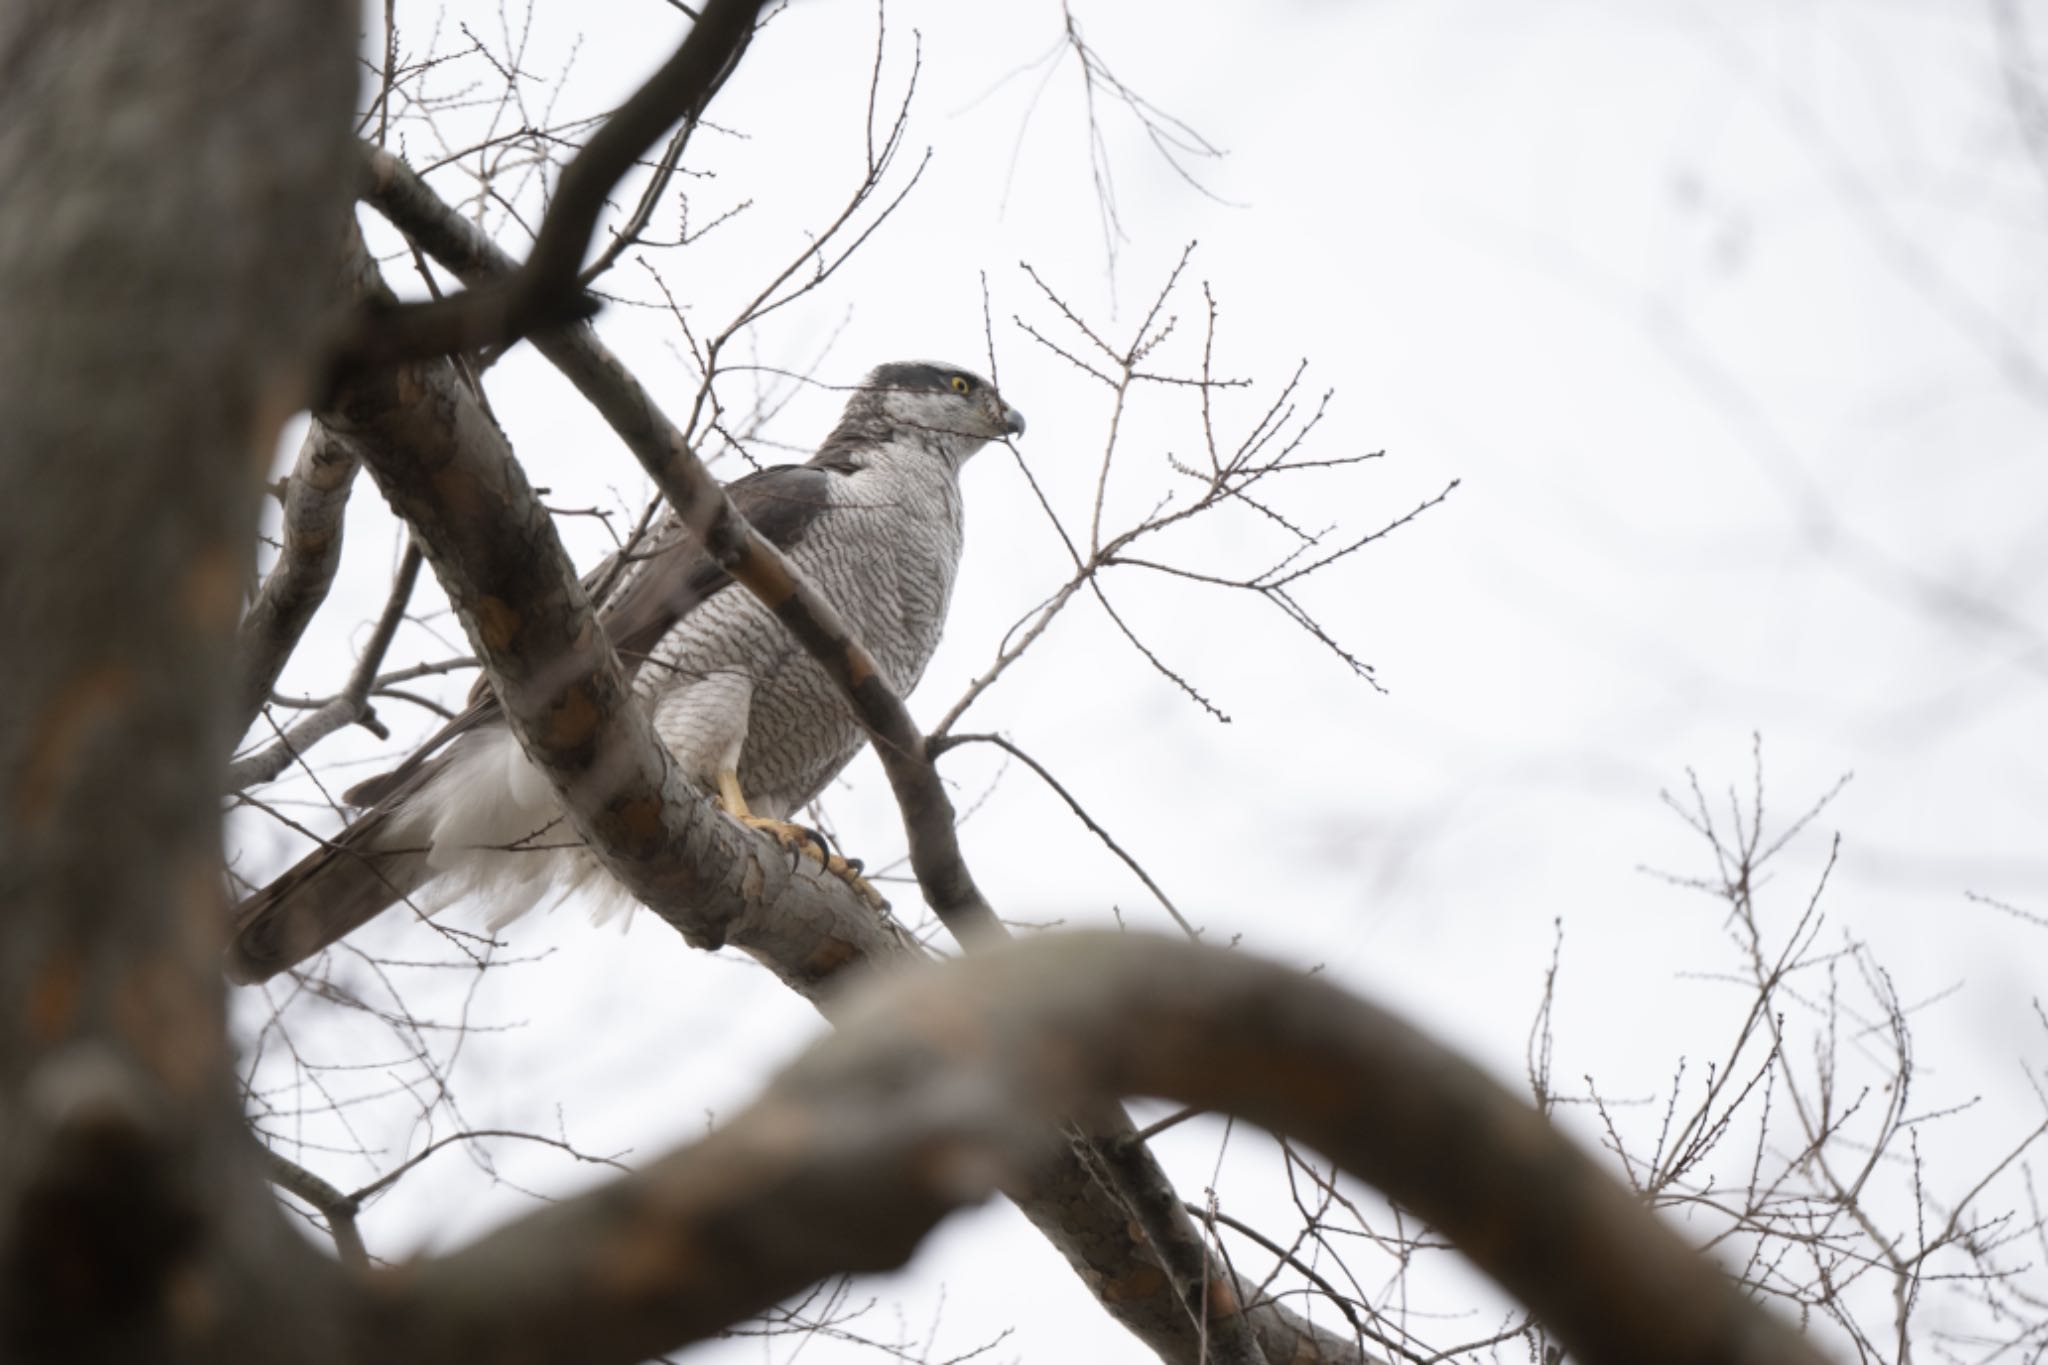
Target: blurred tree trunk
[{"x": 173, "y": 182}]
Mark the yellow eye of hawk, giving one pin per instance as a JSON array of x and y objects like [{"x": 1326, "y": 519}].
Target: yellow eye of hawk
[{"x": 959, "y": 384}]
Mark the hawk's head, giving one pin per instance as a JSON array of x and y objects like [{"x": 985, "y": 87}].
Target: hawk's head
[{"x": 957, "y": 406}]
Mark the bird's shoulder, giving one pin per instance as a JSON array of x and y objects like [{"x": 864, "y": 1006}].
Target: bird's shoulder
[
  {"x": 781, "y": 502},
  {"x": 656, "y": 581}
]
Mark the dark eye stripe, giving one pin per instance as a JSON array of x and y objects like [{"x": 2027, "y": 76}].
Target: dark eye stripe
[{"x": 913, "y": 374}]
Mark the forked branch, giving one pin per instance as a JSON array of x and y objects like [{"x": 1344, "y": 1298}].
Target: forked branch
[{"x": 546, "y": 290}]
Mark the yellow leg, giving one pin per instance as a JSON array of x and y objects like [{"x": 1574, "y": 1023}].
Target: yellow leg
[
  {"x": 791, "y": 836},
  {"x": 731, "y": 797}
]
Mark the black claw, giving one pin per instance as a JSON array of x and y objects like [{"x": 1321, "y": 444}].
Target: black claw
[{"x": 818, "y": 842}]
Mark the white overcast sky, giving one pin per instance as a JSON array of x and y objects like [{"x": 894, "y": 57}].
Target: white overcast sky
[{"x": 1728, "y": 317}]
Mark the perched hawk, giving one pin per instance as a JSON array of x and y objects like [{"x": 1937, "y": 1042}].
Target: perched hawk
[{"x": 873, "y": 520}]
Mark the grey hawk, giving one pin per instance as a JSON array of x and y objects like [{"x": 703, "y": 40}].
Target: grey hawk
[{"x": 873, "y": 520}]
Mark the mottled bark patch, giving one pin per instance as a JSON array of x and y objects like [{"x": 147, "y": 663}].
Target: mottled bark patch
[
  {"x": 170, "y": 1022},
  {"x": 497, "y": 622},
  {"x": 571, "y": 721},
  {"x": 89, "y": 705},
  {"x": 829, "y": 957},
  {"x": 1143, "y": 1281},
  {"x": 637, "y": 823},
  {"x": 211, "y": 594},
  {"x": 644, "y": 1258},
  {"x": 461, "y": 497},
  {"x": 53, "y": 997}
]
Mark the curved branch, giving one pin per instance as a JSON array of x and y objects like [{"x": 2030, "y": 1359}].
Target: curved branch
[
  {"x": 944, "y": 742},
  {"x": 934, "y": 1092},
  {"x": 330, "y": 1203}
]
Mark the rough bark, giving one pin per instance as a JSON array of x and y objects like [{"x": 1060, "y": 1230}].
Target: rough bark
[{"x": 175, "y": 179}]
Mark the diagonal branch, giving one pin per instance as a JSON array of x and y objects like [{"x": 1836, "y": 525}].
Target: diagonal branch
[
  {"x": 547, "y": 289},
  {"x": 330, "y": 1203},
  {"x": 448, "y": 471},
  {"x": 1091, "y": 1226},
  {"x": 701, "y": 504}
]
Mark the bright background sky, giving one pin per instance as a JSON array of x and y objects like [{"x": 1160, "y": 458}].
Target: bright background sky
[{"x": 1728, "y": 318}]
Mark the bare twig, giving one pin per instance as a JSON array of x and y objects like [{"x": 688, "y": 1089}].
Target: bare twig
[
  {"x": 351, "y": 707},
  {"x": 544, "y": 291},
  {"x": 1080, "y": 813}
]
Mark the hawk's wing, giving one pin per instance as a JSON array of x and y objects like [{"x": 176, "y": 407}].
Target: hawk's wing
[
  {"x": 354, "y": 876},
  {"x": 674, "y": 577}
]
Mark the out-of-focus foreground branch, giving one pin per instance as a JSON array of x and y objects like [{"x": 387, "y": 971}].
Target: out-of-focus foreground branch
[{"x": 928, "y": 1096}]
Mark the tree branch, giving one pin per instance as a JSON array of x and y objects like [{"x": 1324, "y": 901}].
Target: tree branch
[
  {"x": 1093, "y": 1231},
  {"x": 1090, "y": 1224},
  {"x": 352, "y": 706},
  {"x": 546, "y": 290},
  {"x": 330, "y": 1203},
  {"x": 315, "y": 499},
  {"x": 936, "y": 1088},
  {"x": 447, "y": 470}
]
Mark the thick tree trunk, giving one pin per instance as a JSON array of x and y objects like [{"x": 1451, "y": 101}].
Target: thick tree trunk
[{"x": 173, "y": 183}]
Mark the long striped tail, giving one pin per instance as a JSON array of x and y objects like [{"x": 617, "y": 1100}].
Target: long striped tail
[{"x": 332, "y": 892}]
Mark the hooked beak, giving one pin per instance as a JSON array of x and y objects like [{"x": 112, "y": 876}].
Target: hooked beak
[{"x": 1013, "y": 420}]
